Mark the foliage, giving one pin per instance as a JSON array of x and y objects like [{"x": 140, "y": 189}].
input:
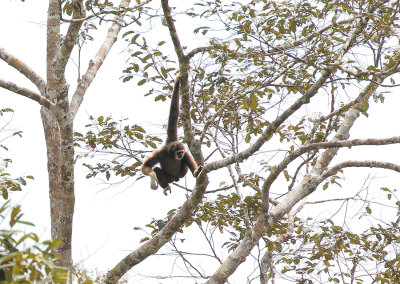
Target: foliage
[
  {"x": 341, "y": 256},
  {"x": 23, "y": 257},
  {"x": 8, "y": 183},
  {"x": 106, "y": 136}
]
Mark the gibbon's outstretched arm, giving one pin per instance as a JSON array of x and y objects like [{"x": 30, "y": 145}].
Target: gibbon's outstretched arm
[
  {"x": 172, "y": 127},
  {"x": 192, "y": 165}
]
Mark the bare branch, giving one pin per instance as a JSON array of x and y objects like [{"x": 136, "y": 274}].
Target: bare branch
[
  {"x": 359, "y": 164},
  {"x": 96, "y": 63},
  {"x": 194, "y": 51},
  {"x": 27, "y": 93},
  {"x": 23, "y": 69},
  {"x": 172, "y": 31}
]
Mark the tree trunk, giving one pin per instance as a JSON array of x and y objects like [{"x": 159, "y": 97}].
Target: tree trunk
[{"x": 62, "y": 198}]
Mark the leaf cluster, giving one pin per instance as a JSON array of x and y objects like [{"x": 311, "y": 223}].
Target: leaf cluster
[
  {"x": 104, "y": 136},
  {"x": 316, "y": 253},
  {"x": 23, "y": 258},
  {"x": 7, "y": 182}
]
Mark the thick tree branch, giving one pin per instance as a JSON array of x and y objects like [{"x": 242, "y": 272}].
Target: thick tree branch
[
  {"x": 27, "y": 93},
  {"x": 98, "y": 60},
  {"x": 194, "y": 51},
  {"x": 172, "y": 31},
  {"x": 53, "y": 42},
  {"x": 23, "y": 69},
  {"x": 162, "y": 237}
]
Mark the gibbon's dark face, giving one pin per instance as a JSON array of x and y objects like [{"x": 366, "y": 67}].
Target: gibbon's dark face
[
  {"x": 177, "y": 150},
  {"x": 179, "y": 154}
]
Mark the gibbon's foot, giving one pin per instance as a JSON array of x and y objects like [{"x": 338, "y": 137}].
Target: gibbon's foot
[
  {"x": 153, "y": 181},
  {"x": 198, "y": 171},
  {"x": 167, "y": 188}
]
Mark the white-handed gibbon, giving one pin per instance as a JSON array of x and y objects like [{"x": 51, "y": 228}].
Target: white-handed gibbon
[{"x": 174, "y": 160}]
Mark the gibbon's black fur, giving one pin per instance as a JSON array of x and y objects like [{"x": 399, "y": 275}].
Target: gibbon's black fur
[{"x": 174, "y": 160}]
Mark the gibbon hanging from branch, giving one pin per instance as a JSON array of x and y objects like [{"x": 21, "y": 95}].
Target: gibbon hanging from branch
[{"x": 174, "y": 160}]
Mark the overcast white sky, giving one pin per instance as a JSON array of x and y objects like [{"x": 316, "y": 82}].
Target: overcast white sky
[{"x": 104, "y": 220}]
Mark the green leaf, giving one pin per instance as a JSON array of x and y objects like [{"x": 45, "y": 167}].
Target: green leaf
[
  {"x": 22, "y": 180},
  {"x": 141, "y": 82},
  {"x": 285, "y": 172},
  {"x": 4, "y": 193},
  {"x": 8, "y": 257}
]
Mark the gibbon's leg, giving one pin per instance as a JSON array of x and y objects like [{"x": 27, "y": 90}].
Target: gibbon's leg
[
  {"x": 147, "y": 166},
  {"x": 164, "y": 179},
  {"x": 153, "y": 180},
  {"x": 166, "y": 189}
]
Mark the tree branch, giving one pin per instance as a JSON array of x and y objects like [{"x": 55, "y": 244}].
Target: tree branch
[
  {"x": 172, "y": 31},
  {"x": 27, "y": 93},
  {"x": 359, "y": 164},
  {"x": 23, "y": 69},
  {"x": 98, "y": 60},
  {"x": 162, "y": 237},
  {"x": 69, "y": 42},
  {"x": 194, "y": 51}
]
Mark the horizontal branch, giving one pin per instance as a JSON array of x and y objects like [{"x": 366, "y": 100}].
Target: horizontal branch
[
  {"x": 98, "y": 15},
  {"x": 352, "y": 142},
  {"x": 26, "y": 93},
  {"x": 359, "y": 164},
  {"x": 23, "y": 69},
  {"x": 326, "y": 145},
  {"x": 194, "y": 51}
]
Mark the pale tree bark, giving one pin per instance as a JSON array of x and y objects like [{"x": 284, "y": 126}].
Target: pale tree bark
[
  {"x": 58, "y": 129},
  {"x": 58, "y": 114}
]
